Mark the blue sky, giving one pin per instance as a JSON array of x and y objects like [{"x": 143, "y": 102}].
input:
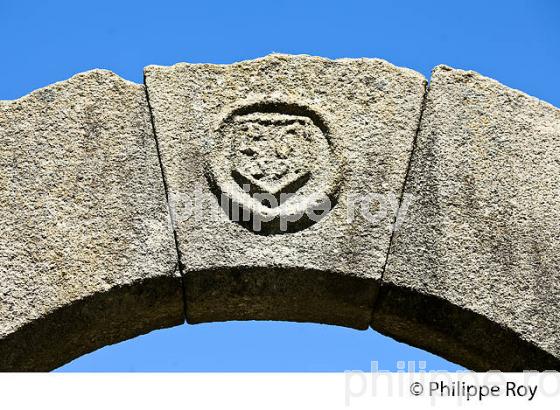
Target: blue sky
[{"x": 515, "y": 42}]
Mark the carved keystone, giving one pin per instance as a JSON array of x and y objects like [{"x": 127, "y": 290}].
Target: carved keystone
[{"x": 281, "y": 150}]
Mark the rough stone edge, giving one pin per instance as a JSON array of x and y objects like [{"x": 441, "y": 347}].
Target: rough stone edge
[
  {"x": 400, "y": 312},
  {"x": 472, "y": 73},
  {"x": 73, "y": 78},
  {"x": 283, "y": 56}
]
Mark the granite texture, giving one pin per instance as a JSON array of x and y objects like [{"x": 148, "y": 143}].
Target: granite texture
[
  {"x": 474, "y": 272},
  {"x": 87, "y": 256},
  {"x": 319, "y": 131},
  {"x": 283, "y": 176}
]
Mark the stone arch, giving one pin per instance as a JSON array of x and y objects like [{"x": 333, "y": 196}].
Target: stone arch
[
  {"x": 94, "y": 321},
  {"x": 91, "y": 252}
]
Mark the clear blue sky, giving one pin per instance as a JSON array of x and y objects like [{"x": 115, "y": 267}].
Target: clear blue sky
[{"x": 515, "y": 42}]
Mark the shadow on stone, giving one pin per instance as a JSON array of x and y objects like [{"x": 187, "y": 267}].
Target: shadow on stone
[
  {"x": 296, "y": 295},
  {"x": 90, "y": 323},
  {"x": 457, "y": 334}
]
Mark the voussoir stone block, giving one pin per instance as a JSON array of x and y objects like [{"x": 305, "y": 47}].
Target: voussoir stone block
[
  {"x": 87, "y": 255},
  {"x": 253, "y": 151},
  {"x": 474, "y": 271}
]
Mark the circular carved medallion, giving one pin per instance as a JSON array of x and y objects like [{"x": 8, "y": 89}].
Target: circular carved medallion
[{"x": 272, "y": 165}]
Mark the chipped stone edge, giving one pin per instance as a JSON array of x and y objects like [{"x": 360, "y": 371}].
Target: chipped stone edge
[
  {"x": 74, "y": 78},
  {"x": 444, "y": 68},
  {"x": 283, "y": 56}
]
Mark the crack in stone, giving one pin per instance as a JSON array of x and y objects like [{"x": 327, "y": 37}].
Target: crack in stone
[
  {"x": 179, "y": 264},
  {"x": 406, "y": 175}
]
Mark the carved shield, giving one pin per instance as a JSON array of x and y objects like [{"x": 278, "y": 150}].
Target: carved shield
[{"x": 273, "y": 166}]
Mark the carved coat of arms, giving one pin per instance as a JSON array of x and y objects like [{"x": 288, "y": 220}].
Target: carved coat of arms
[{"x": 272, "y": 166}]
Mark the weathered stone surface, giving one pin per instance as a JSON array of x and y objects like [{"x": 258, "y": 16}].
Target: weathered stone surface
[
  {"x": 87, "y": 256},
  {"x": 253, "y": 153},
  {"x": 325, "y": 132},
  {"x": 474, "y": 272}
]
